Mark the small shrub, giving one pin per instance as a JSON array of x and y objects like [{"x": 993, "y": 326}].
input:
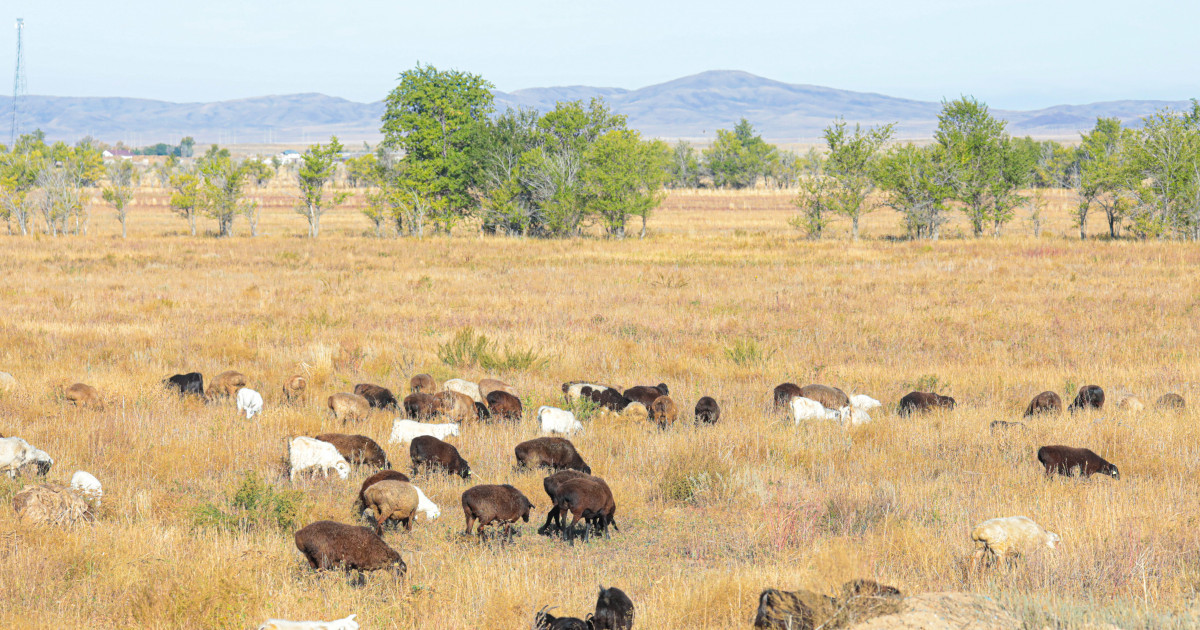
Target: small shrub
[
  {"x": 694, "y": 476},
  {"x": 254, "y": 505},
  {"x": 468, "y": 349},
  {"x": 745, "y": 352}
]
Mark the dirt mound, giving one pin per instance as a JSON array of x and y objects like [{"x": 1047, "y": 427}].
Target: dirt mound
[
  {"x": 944, "y": 611},
  {"x": 51, "y": 504}
]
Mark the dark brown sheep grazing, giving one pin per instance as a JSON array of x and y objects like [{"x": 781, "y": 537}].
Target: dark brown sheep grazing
[
  {"x": 328, "y": 545},
  {"x": 191, "y": 383},
  {"x": 1173, "y": 402},
  {"x": 359, "y": 450},
  {"x": 610, "y": 399},
  {"x": 294, "y": 388},
  {"x": 494, "y": 504},
  {"x": 504, "y": 406},
  {"x": 550, "y": 452},
  {"x": 1065, "y": 460},
  {"x": 1089, "y": 397},
  {"x": 429, "y": 452},
  {"x": 707, "y": 411},
  {"x": 1045, "y": 402},
  {"x": 830, "y": 397},
  {"x": 614, "y": 610},
  {"x": 456, "y": 406},
  {"x": 545, "y": 621},
  {"x": 646, "y": 394},
  {"x": 422, "y": 384},
  {"x": 664, "y": 411},
  {"x": 587, "y": 499},
  {"x": 383, "y": 475},
  {"x": 420, "y": 406},
  {"x": 552, "y": 484},
  {"x": 378, "y": 397},
  {"x": 922, "y": 402},
  {"x": 783, "y": 394}
]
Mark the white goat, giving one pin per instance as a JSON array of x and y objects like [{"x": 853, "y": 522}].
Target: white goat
[
  {"x": 427, "y": 507},
  {"x": 864, "y": 402},
  {"x": 16, "y": 453},
  {"x": 283, "y": 624},
  {"x": 405, "y": 431},
  {"x": 250, "y": 402},
  {"x": 555, "y": 420},
  {"x": 88, "y": 486},
  {"x": 804, "y": 409},
  {"x": 305, "y": 453}
]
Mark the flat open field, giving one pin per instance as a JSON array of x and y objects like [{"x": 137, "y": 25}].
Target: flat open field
[{"x": 708, "y": 516}]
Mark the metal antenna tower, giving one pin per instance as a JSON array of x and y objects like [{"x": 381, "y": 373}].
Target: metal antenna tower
[{"x": 18, "y": 82}]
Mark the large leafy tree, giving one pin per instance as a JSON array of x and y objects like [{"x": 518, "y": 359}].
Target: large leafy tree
[
  {"x": 223, "y": 181},
  {"x": 979, "y": 160},
  {"x": 1166, "y": 157},
  {"x": 849, "y": 165},
  {"x": 122, "y": 180},
  {"x": 318, "y": 165},
  {"x": 737, "y": 158},
  {"x": 623, "y": 177},
  {"x": 433, "y": 116},
  {"x": 20, "y": 167},
  {"x": 915, "y": 184},
  {"x": 1105, "y": 174}
]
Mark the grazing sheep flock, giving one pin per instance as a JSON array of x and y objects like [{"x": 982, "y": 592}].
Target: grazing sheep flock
[{"x": 388, "y": 496}]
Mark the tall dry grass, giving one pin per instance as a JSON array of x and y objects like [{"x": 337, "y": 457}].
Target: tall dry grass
[{"x": 708, "y": 517}]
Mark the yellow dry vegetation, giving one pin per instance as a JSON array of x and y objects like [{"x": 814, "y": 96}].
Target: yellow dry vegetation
[{"x": 719, "y": 301}]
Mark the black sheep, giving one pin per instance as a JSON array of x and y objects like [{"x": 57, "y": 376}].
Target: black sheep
[
  {"x": 1064, "y": 460},
  {"x": 429, "y": 452}
]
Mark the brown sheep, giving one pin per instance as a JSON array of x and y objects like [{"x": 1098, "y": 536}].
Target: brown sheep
[
  {"x": 456, "y": 406},
  {"x": 645, "y": 394},
  {"x": 707, "y": 411},
  {"x": 382, "y": 475},
  {"x": 550, "y": 452},
  {"x": 347, "y": 407},
  {"x": 429, "y": 452},
  {"x": 502, "y": 405},
  {"x": 494, "y": 504},
  {"x": 588, "y": 499},
  {"x": 420, "y": 406},
  {"x": 1089, "y": 397},
  {"x": 830, "y": 397},
  {"x": 1045, "y": 402},
  {"x": 1172, "y": 402},
  {"x": 923, "y": 402},
  {"x": 1064, "y": 460},
  {"x": 226, "y": 384},
  {"x": 294, "y": 388},
  {"x": 378, "y": 397},
  {"x": 783, "y": 394},
  {"x": 328, "y": 545},
  {"x": 489, "y": 385},
  {"x": 422, "y": 384},
  {"x": 610, "y": 399},
  {"x": 552, "y": 484},
  {"x": 664, "y": 411},
  {"x": 614, "y": 610},
  {"x": 359, "y": 450},
  {"x": 83, "y": 396},
  {"x": 391, "y": 500}
]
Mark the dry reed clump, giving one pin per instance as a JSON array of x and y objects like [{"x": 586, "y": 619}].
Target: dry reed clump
[{"x": 51, "y": 504}]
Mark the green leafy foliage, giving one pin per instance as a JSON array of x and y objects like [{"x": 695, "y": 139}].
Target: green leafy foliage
[{"x": 254, "y": 505}]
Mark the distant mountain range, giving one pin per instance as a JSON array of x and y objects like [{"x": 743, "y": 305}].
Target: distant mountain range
[{"x": 691, "y": 108}]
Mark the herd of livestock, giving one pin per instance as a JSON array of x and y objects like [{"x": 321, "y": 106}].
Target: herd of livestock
[{"x": 388, "y": 498}]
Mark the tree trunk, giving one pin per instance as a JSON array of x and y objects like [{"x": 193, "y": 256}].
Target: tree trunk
[
  {"x": 315, "y": 224},
  {"x": 854, "y": 228},
  {"x": 124, "y": 233},
  {"x": 191, "y": 217},
  {"x": 643, "y": 232}
]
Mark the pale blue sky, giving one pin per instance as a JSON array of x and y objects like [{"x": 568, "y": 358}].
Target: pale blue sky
[{"x": 1019, "y": 54}]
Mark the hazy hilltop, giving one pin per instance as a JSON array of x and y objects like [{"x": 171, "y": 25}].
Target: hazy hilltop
[{"x": 691, "y": 107}]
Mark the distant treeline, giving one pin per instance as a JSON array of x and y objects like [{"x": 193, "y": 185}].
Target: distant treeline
[{"x": 447, "y": 158}]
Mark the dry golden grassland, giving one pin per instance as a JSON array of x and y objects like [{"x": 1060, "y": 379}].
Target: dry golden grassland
[{"x": 723, "y": 299}]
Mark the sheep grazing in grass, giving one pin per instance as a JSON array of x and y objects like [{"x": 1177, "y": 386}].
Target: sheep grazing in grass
[
  {"x": 543, "y": 620},
  {"x": 1170, "y": 402},
  {"x": 1046, "y": 402},
  {"x": 1088, "y": 397},
  {"x": 328, "y": 545},
  {"x": 456, "y": 406},
  {"x": 494, "y": 504},
  {"x": 7, "y": 382},
  {"x": 226, "y": 384},
  {"x": 614, "y": 610},
  {"x": 555, "y": 420},
  {"x": 346, "y": 407},
  {"x": 1008, "y": 537},
  {"x": 864, "y": 402},
  {"x": 573, "y": 390},
  {"x": 191, "y": 384},
  {"x": 283, "y": 624},
  {"x": 51, "y": 504},
  {"x": 830, "y": 397},
  {"x": 82, "y": 395},
  {"x": 359, "y": 450},
  {"x": 1067, "y": 460},
  {"x": 391, "y": 500},
  {"x": 707, "y": 411},
  {"x": 782, "y": 395},
  {"x": 88, "y": 487},
  {"x": 610, "y": 399},
  {"x": 307, "y": 454},
  {"x": 550, "y": 452},
  {"x": 382, "y": 475},
  {"x": 426, "y": 506},
  {"x": 664, "y": 411},
  {"x": 420, "y": 406},
  {"x": 249, "y": 402},
  {"x": 554, "y": 523},
  {"x": 377, "y": 397},
  {"x": 587, "y": 499},
  {"x": 422, "y": 384},
  {"x": 467, "y": 388},
  {"x": 502, "y": 405},
  {"x": 806, "y": 409},
  {"x": 922, "y": 402},
  {"x": 489, "y": 385},
  {"x": 294, "y": 388},
  {"x": 430, "y": 453},
  {"x": 1131, "y": 404},
  {"x": 404, "y": 431},
  {"x": 20, "y": 458},
  {"x": 646, "y": 394}
]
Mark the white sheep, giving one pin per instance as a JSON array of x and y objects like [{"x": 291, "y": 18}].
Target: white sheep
[
  {"x": 852, "y": 416},
  {"x": 864, "y": 402},
  {"x": 575, "y": 390},
  {"x": 555, "y": 420},
  {"x": 7, "y": 382},
  {"x": 283, "y": 624},
  {"x": 464, "y": 387},
  {"x": 427, "y": 507},
  {"x": 305, "y": 453},
  {"x": 16, "y": 453},
  {"x": 87, "y": 485},
  {"x": 1008, "y": 537},
  {"x": 405, "y": 431},
  {"x": 249, "y": 401},
  {"x": 804, "y": 409}
]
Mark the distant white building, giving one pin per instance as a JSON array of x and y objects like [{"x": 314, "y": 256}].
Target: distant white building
[{"x": 288, "y": 157}]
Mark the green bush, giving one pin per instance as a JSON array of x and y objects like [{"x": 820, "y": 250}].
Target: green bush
[
  {"x": 255, "y": 504},
  {"x": 469, "y": 349}
]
